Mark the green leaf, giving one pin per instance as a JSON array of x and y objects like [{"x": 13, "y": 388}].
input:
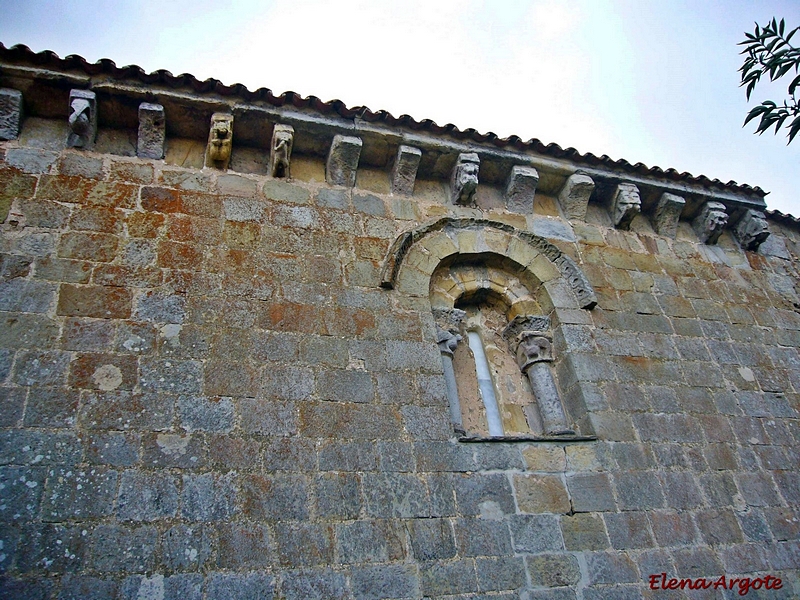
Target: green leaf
[{"x": 794, "y": 127}]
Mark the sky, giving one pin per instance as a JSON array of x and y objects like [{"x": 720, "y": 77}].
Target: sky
[{"x": 651, "y": 81}]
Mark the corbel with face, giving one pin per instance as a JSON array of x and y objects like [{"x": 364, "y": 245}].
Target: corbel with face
[
  {"x": 625, "y": 205},
  {"x": 281, "y": 151},
  {"x": 710, "y": 222},
  {"x": 464, "y": 181},
  {"x": 220, "y": 141},
  {"x": 752, "y": 229},
  {"x": 82, "y": 119}
]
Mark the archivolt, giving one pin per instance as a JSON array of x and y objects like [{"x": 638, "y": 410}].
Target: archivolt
[{"x": 415, "y": 254}]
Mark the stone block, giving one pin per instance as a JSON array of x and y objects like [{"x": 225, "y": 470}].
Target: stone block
[
  {"x": 12, "y": 400},
  {"x": 385, "y": 581},
  {"x": 475, "y": 493},
  {"x": 432, "y": 539},
  {"x": 94, "y": 301},
  {"x": 673, "y": 528},
  {"x": 584, "y": 532},
  {"x": 112, "y": 448},
  {"x": 482, "y": 537},
  {"x": 290, "y": 454},
  {"x": 369, "y": 542},
  {"x": 342, "y": 162},
  {"x": 77, "y": 587},
  {"x": 611, "y": 567},
  {"x": 520, "y": 189},
  {"x": 314, "y": 584},
  {"x": 30, "y": 447},
  {"x": 27, "y": 331},
  {"x": 118, "y": 549},
  {"x": 668, "y": 211},
  {"x": 369, "y": 204},
  {"x": 125, "y": 410},
  {"x": 208, "y": 497},
  {"x": 541, "y": 494},
  {"x": 203, "y": 413},
  {"x": 239, "y": 586},
  {"x": 188, "y": 547},
  {"x": 79, "y": 494},
  {"x": 534, "y": 534},
  {"x": 396, "y": 457},
  {"x": 395, "y": 495},
  {"x": 25, "y": 295},
  {"x": 590, "y": 492},
  {"x": 10, "y": 113},
  {"x": 348, "y": 420},
  {"x": 41, "y": 367},
  {"x": 51, "y": 407},
  {"x": 104, "y": 372},
  {"x": 443, "y": 578},
  {"x": 345, "y": 386},
  {"x": 244, "y": 545},
  {"x": 338, "y": 495},
  {"x": 628, "y": 530},
  {"x": 22, "y": 492},
  {"x": 146, "y": 496},
  {"x": 304, "y": 544},
  {"x": 502, "y": 573},
  {"x": 718, "y": 527},
  {"x": 574, "y": 196},
  {"x": 82, "y": 119},
  {"x": 170, "y": 375},
  {"x": 182, "y": 586},
  {"x": 553, "y": 570},
  {"x": 275, "y": 497},
  {"x": 404, "y": 170},
  {"x": 85, "y": 335}
]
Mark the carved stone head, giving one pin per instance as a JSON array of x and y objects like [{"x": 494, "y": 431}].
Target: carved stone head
[
  {"x": 533, "y": 347},
  {"x": 82, "y": 119},
  {"x": 281, "y": 151},
  {"x": 752, "y": 229},
  {"x": 220, "y": 141},
  {"x": 627, "y": 204},
  {"x": 710, "y": 222},
  {"x": 465, "y": 178}
]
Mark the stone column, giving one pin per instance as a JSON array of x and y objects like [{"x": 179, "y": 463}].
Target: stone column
[
  {"x": 447, "y": 337},
  {"x": 529, "y": 340}
]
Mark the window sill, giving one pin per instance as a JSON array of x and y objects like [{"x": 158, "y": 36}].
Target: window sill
[{"x": 466, "y": 438}]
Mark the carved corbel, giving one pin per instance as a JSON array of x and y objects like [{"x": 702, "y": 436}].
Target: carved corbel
[
  {"x": 220, "y": 141},
  {"x": 668, "y": 212},
  {"x": 625, "y": 205},
  {"x": 574, "y": 196},
  {"x": 10, "y": 113},
  {"x": 404, "y": 171},
  {"x": 342, "y": 163},
  {"x": 281, "y": 150},
  {"x": 710, "y": 222},
  {"x": 82, "y": 119},
  {"x": 521, "y": 188},
  {"x": 152, "y": 127},
  {"x": 464, "y": 180},
  {"x": 751, "y": 230}
]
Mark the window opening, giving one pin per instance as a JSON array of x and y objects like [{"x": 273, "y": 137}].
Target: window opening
[{"x": 485, "y": 384}]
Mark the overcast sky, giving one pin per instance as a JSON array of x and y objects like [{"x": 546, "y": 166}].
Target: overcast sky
[{"x": 644, "y": 80}]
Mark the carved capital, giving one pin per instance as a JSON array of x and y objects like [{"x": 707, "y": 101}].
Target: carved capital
[
  {"x": 574, "y": 196},
  {"x": 710, "y": 222},
  {"x": 220, "y": 141},
  {"x": 404, "y": 170},
  {"x": 752, "y": 229},
  {"x": 529, "y": 340},
  {"x": 280, "y": 152},
  {"x": 152, "y": 127},
  {"x": 10, "y": 113},
  {"x": 625, "y": 205},
  {"x": 448, "y": 326},
  {"x": 524, "y": 323},
  {"x": 82, "y": 119},
  {"x": 668, "y": 211},
  {"x": 464, "y": 180}
]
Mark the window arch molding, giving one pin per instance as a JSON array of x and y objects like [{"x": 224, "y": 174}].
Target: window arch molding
[{"x": 415, "y": 255}]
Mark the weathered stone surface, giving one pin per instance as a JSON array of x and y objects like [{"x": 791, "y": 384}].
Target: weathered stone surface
[
  {"x": 464, "y": 180},
  {"x": 751, "y": 230},
  {"x": 625, "y": 205},
  {"x": 280, "y": 153},
  {"x": 10, "y": 113},
  {"x": 710, "y": 222},
  {"x": 574, "y": 196},
  {"x": 404, "y": 170},
  {"x": 668, "y": 211},
  {"x": 520, "y": 189},
  {"x": 152, "y": 131},
  {"x": 220, "y": 141},
  {"x": 340, "y": 168},
  {"x": 82, "y": 119}
]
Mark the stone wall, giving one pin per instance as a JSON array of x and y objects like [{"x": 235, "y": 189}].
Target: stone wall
[{"x": 206, "y": 392}]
